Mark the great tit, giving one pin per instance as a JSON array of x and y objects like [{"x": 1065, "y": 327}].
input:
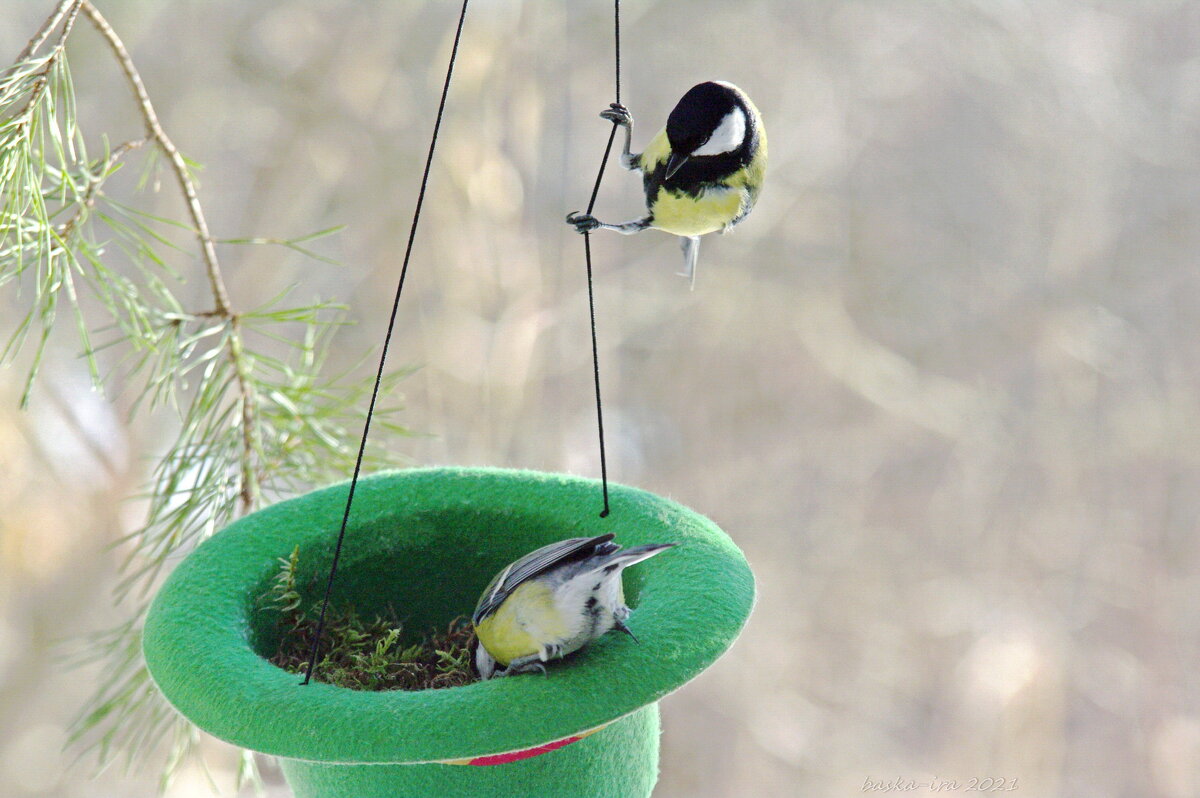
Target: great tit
[
  {"x": 701, "y": 173},
  {"x": 552, "y": 602}
]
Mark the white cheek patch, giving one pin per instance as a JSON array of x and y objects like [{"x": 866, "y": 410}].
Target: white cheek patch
[{"x": 728, "y": 135}]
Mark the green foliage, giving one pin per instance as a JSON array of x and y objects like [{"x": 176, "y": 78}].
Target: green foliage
[
  {"x": 258, "y": 415},
  {"x": 46, "y": 184},
  {"x": 363, "y": 653}
]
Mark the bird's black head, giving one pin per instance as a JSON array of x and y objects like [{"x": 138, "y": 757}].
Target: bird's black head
[{"x": 699, "y": 114}]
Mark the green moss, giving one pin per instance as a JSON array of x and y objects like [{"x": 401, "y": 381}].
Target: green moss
[{"x": 362, "y": 653}]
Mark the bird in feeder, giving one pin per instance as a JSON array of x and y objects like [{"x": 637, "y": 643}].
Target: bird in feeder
[
  {"x": 701, "y": 173},
  {"x": 552, "y": 602}
]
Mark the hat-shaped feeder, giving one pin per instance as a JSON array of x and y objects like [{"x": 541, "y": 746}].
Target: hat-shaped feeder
[{"x": 425, "y": 541}]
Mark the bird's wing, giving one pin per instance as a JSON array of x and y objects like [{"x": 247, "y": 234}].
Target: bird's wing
[{"x": 533, "y": 564}]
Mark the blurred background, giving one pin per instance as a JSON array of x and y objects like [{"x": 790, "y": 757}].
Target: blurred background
[{"x": 943, "y": 385}]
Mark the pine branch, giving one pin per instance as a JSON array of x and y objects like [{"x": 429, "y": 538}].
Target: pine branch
[
  {"x": 69, "y": 8},
  {"x": 253, "y": 423},
  {"x": 250, "y": 490},
  {"x": 88, "y": 200},
  {"x": 49, "y": 25}
]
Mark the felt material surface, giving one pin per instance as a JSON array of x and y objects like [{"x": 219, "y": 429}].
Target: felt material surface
[
  {"x": 427, "y": 541},
  {"x": 620, "y": 761}
]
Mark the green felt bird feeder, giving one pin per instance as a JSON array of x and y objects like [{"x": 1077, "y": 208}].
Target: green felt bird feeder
[{"x": 425, "y": 541}]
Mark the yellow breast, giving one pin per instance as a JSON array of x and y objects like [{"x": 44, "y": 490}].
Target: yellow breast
[
  {"x": 527, "y": 620},
  {"x": 685, "y": 215}
]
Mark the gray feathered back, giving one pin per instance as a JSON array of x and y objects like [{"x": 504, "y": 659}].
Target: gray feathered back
[{"x": 537, "y": 563}]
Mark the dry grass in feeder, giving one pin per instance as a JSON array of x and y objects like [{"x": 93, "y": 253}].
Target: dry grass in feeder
[{"x": 361, "y": 653}]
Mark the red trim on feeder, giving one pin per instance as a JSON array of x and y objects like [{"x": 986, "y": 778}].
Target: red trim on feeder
[
  {"x": 514, "y": 756},
  {"x": 528, "y": 753}
]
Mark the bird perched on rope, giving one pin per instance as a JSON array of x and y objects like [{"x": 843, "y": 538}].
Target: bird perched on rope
[
  {"x": 552, "y": 602},
  {"x": 701, "y": 173}
]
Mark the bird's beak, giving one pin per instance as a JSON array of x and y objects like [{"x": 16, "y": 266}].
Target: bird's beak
[
  {"x": 674, "y": 162},
  {"x": 482, "y": 662}
]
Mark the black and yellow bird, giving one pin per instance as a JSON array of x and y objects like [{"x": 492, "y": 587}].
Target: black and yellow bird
[
  {"x": 701, "y": 173},
  {"x": 552, "y": 602}
]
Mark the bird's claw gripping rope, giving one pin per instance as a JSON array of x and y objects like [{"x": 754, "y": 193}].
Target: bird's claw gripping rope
[
  {"x": 617, "y": 114},
  {"x": 583, "y": 222}
]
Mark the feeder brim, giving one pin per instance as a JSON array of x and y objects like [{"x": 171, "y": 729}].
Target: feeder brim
[{"x": 429, "y": 540}]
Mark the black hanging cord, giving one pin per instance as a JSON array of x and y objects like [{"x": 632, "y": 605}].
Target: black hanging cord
[
  {"x": 587, "y": 252},
  {"x": 617, "y": 50},
  {"x": 387, "y": 339}
]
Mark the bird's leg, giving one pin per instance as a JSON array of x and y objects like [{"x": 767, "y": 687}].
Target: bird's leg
[
  {"x": 585, "y": 223},
  {"x": 526, "y": 664},
  {"x": 619, "y": 115},
  {"x": 691, "y": 253},
  {"x": 619, "y": 625},
  {"x": 550, "y": 651}
]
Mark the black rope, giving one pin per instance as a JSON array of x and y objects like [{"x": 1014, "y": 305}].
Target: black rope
[
  {"x": 617, "y": 48},
  {"x": 587, "y": 253},
  {"x": 387, "y": 339}
]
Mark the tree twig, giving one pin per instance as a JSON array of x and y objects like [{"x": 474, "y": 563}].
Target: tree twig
[
  {"x": 44, "y": 32},
  {"x": 71, "y": 9},
  {"x": 154, "y": 131},
  {"x": 89, "y": 195}
]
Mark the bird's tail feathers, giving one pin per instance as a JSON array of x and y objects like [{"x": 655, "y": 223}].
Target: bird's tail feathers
[{"x": 627, "y": 557}]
